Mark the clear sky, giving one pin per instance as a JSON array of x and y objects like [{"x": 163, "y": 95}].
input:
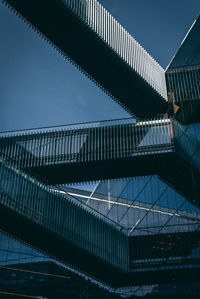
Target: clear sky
[{"x": 38, "y": 87}]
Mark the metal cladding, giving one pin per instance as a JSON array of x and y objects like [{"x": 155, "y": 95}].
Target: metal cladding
[
  {"x": 86, "y": 33},
  {"x": 120, "y": 41},
  {"x": 183, "y": 76},
  {"x": 110, "y": 150},
  {"x": 184, "y": 83},
  {"x": 62, "y": 215},
  {"x": 67, "y": 231},
  {"x": 92, "y": 151},
  {"x": 140, "y": 236},
  {"x": 85, "y": 143}
]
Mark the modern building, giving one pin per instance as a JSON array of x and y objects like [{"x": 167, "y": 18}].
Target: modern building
[{"x": 137, "y": 233}]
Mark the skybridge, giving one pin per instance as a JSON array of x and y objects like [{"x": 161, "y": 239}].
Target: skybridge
[
  {"x": 58, "y": 226},
  {"x": 112, "y": 149},
  {"x": 100, "y": 47}
]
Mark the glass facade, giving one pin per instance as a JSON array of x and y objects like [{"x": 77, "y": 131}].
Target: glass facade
[
  {"x": 138, "y": 230},
  {"x": 25, "y": 273},
  {"x": 142, "y": 205},
  {"x": 158, "y": 221},
  {"x": 75, "y": 154},
  {"x": 183, "y": 77}
]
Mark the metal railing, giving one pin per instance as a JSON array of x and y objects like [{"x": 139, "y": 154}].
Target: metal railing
[
  {"x": 61, "y": 215},
  {"x": 87, "y": 143}
]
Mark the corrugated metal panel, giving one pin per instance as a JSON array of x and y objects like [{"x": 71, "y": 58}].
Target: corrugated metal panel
[
  {"x": 87, "y": 144},
  {"x": 121, "y": 42},
  {"x": 184, "y": 82},
  {"x": 58, "y": 213}
]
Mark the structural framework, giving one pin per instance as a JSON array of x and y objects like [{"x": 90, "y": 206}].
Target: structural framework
[{"x": 140, "y": 225}]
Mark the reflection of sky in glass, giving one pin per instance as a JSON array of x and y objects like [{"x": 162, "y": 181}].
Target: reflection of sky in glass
[
  {"x": 188, "y": 54},
  {"x": 157, "y": 135},
  {"x": 14, "y": 252},
  {"x": 143, "y": 202}
]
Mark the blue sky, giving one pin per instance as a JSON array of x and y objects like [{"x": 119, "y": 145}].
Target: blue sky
[{"x": 38, "y": 87}]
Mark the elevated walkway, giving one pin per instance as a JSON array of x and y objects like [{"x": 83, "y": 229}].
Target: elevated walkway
[
  {"x": 59, "y": 227},
  {"x": 97, "y": 151},
  {"x": 87, "y": 34},
  {"x": 33, "y": 211},
  {"x": 106, "y": 150},
  {"x": 91, "y": 151},
  {"x": 56, "y": 225}
]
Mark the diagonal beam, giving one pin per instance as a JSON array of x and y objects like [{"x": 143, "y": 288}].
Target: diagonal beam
[{"x": 87, "y": 34}]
